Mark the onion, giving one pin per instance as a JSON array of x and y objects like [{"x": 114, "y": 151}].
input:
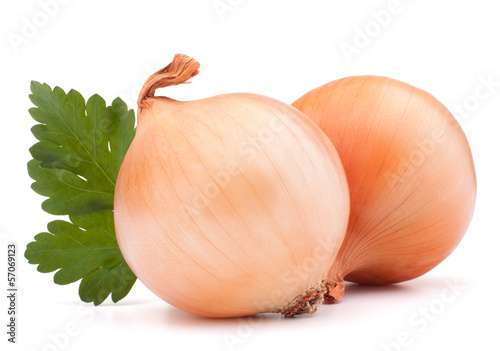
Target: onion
[
  {"x": 410, "y": 172},
  {"x": 231, "y": 205}
]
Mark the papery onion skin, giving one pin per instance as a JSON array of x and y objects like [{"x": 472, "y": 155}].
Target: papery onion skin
[
  {"x": 231, "y": 205},
  {"x": 410, "y": 172}
]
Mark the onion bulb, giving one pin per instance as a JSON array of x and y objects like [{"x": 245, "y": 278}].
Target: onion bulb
[
  {"x": 410, "y": 172},
  {"x": 231, "y": 205}
]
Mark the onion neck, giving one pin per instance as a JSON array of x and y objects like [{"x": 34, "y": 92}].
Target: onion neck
[
  {"x": 345, "y": 262},
  {"x": 179, "y": 71},
  {"x": 335, "y": 283},
  {"x": 335, "y": 290}
]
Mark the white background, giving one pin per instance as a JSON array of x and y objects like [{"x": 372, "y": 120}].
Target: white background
[{"x": 281, "y": 49}]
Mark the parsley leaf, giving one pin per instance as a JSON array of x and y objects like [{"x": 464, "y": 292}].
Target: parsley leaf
[
  {"x": 75, "y": 164},
  {"x": 81, "y": 148},
  {"x": 85, "y": 248}
]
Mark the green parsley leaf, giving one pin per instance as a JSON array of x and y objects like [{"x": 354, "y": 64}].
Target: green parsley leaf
[
  {"x": 81, "y": 148},
  {"x": 84, "y": 249},
  {"x": 96, "y": 285},
  {"x": 75, "y": 164}
]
